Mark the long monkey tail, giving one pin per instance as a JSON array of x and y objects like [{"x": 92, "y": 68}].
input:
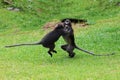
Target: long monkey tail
[
  {"x": 93, "y": 53},
  {"x": 22, "y": 44}
]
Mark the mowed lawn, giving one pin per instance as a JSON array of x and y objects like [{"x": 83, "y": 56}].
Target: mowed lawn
[{"x": 34, "y": 63}]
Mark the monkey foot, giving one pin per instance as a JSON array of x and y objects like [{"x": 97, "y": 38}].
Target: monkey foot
[
  {"x": 50, "y": 53},
  {"x": 54, "y": 51},
  {"x": 71, "y": 55}
]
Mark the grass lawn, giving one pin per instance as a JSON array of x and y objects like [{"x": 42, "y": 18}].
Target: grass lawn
[
  {"x": 102, "y": 36},
  {"x": 33, "y": 62}
]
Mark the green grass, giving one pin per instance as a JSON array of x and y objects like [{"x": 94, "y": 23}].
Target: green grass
[{"x": 34, "y": 63}]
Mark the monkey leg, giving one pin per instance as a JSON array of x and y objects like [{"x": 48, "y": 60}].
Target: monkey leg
[
  {"x": 64, "y": 47},
  {"x": 51, "y": 49},
  {"x": 69, "y": 49},
  {"x": 54, "y": 51},
  {"x": 49, "y": 52}
]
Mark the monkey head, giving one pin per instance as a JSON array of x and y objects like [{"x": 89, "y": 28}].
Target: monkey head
[
  {"x": 67, "y": 26},
  {"x": 67, "y": 22}
]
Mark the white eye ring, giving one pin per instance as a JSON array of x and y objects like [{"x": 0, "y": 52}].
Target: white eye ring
[{"x": 66, "y": 22}]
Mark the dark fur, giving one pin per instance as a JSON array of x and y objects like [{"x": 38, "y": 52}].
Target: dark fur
[
  {"x": 73, "y": 20},
  {"x": 70, "y": 40},
  {"x": 48, "y": 40}
]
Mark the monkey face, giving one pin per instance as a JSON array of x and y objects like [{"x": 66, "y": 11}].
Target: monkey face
[
  {"x": 67, "y": 22},
  {"x": 67, "y": 29}
]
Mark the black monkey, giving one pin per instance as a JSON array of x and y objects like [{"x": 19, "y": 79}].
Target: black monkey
[
  {"x": 69, "y": 38},
  {"x": 49, "y": 39}
]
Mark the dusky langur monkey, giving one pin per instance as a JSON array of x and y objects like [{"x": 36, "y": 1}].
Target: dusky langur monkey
[
  {"x": 48, "y": 41},
  {"x": 70, "y": 40}
]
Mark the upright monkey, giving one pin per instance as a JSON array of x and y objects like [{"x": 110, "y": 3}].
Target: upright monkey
[{"x": 70, "y": 40}]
